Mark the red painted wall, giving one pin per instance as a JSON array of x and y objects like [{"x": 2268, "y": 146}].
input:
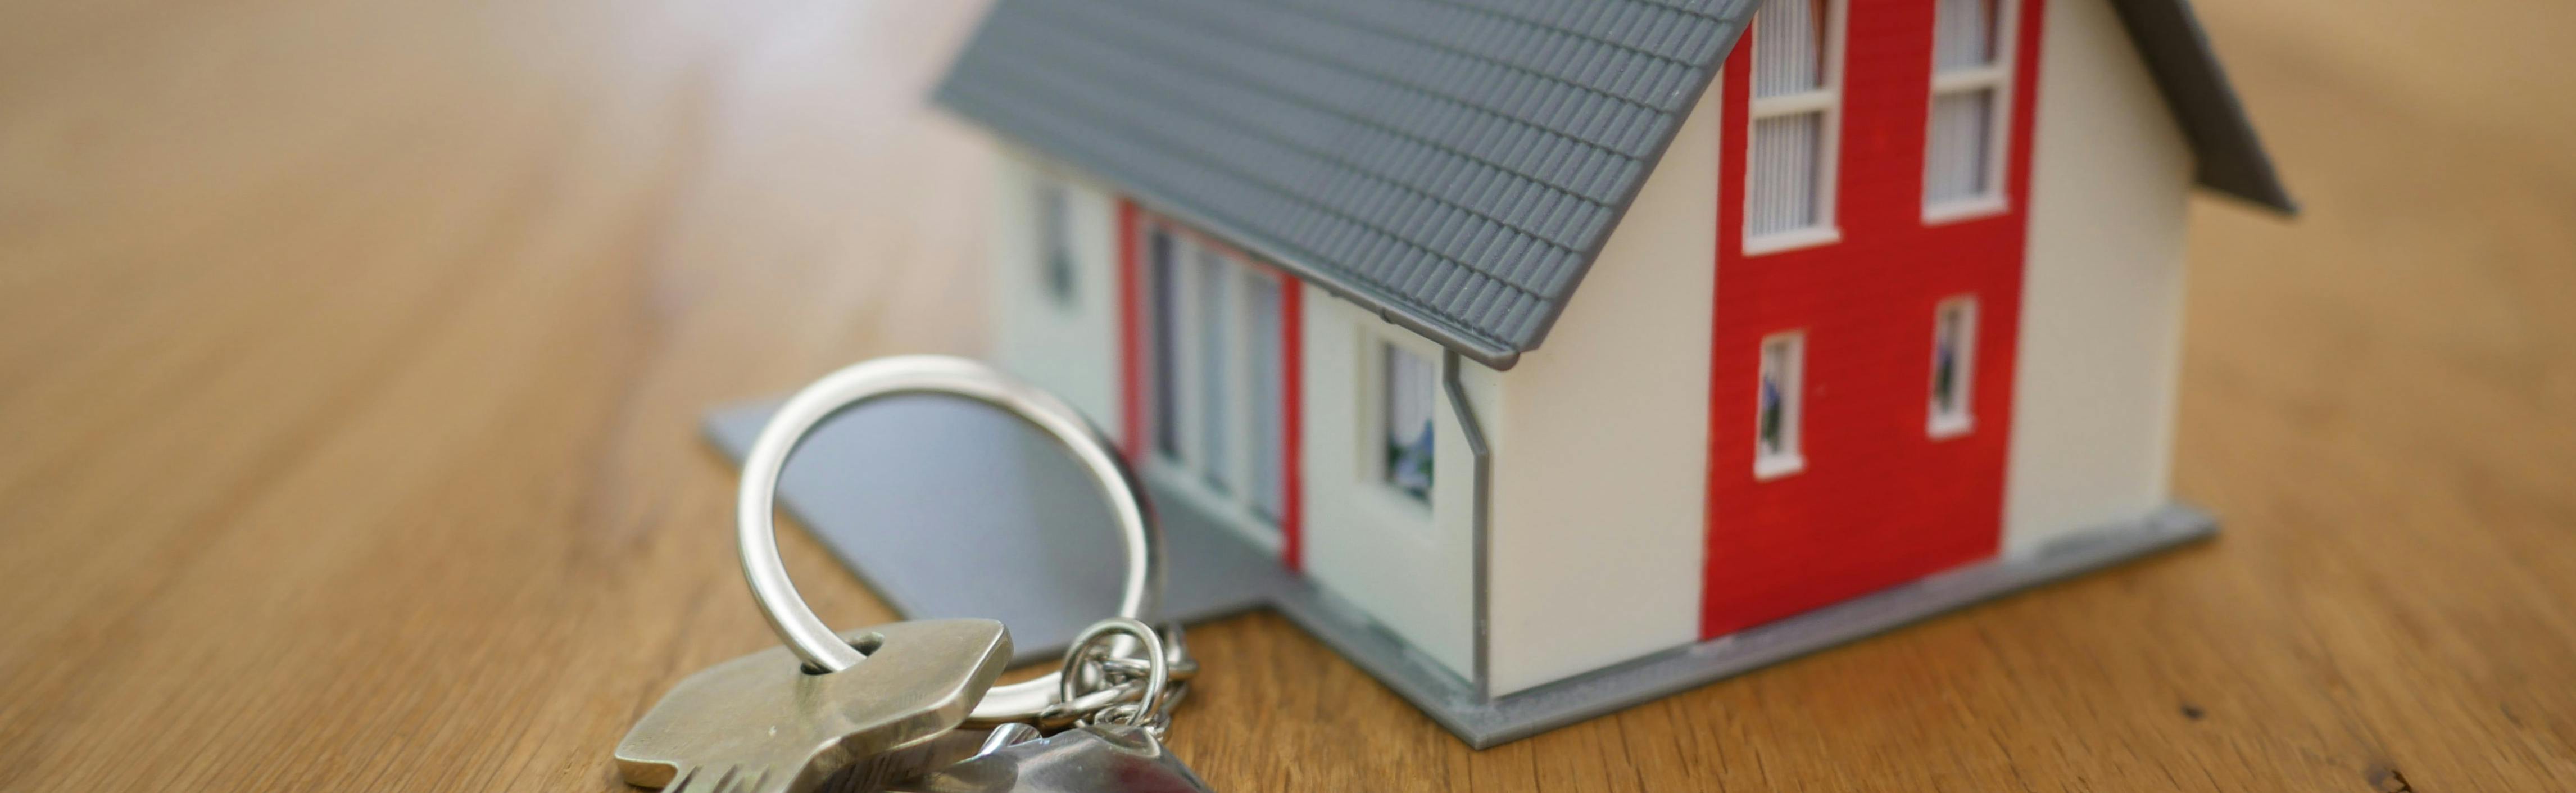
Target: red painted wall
[
  {"x": 1880, "y": 503},
  {"x": 1135, "y": 422}
]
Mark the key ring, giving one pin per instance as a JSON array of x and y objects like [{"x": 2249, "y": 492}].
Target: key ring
[{"x": 787, "y": 612}]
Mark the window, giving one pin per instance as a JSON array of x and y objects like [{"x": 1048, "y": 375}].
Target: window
[
  {"x": 1779, "y": 390},
  {"x": 1789, "y": 182},
  {"x": 1055, "y": 242},
  {"x": 1963, "y": 146},
  {"x": 1164, "y": 253},
  {"x": 1954, "y": 365},
  {"x": 1268, "y": 374},
  {"x": 1217, "y": 387},
  {"x": 1409, "y": 380},
  {"x": 1219, "y": 397}
]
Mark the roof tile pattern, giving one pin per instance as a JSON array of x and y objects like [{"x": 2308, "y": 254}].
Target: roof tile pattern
[{"x": 1454, "y": 164}]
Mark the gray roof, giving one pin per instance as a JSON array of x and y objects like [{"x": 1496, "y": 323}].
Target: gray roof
[{"x": 1454, "y": 165}]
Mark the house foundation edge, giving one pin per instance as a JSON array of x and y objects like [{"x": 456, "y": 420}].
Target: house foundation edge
[{"x": 1485, "y": 723}]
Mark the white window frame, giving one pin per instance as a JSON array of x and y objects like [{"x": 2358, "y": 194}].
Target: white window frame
[
  {"x": 1792, "y": 457},
  {"x": 1183, "y": 466},
  {"x": 1962, "y": 418},
  {"x": 1375, "y": 342},
  {"x": 1998, "y": 77},
  {"x": 1827, "y": 98}
]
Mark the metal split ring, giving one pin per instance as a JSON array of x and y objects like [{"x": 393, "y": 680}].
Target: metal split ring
[
  {"x": 1157, "y": 669},
  {"x": 806, "y": 634}
]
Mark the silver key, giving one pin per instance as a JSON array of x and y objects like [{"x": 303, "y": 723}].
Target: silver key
[
  {"x": 761, "y": 724},
  {"x": 1100, "y": 758}
]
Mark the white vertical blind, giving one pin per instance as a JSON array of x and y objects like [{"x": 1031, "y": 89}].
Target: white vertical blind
[
  {"x": 1964, "y": 137},
  {"x": 1960, "y": 166},
  {"x": 1963, "y": 34},
  {"x": 1789, "y": 47},
  {"x": 1269, "y": 430},
  {"x": 1782, "y": 196},
  {"x": 1796, "y": 91}
]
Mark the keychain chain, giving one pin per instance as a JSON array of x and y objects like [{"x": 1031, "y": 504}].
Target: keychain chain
[{"x": 1136, "y": 690}]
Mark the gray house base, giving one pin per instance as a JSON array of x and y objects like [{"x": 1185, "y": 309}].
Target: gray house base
[{"x": 948, "y": 509}]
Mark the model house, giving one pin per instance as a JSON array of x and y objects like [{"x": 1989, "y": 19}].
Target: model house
[{"x": 1549, "y": 335}]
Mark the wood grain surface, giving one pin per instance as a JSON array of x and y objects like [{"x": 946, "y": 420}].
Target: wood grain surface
[{"x": 350, "y": 357}]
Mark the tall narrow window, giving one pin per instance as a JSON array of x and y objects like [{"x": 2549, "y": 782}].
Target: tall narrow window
[
  {"x": 1409, "y": 380},
  {"x": 1163, "y": 251},
  {"x": 1777, "y": 410},
  {"x": 1789, "y": 178},
  {"x": 1269, "y": 377},
  {"x": 1216, "y": 384},
  {"x": 1954, "y": 365},
  {"x": 1963, "y": 163},
  {"x": 1055, "y": 244}
]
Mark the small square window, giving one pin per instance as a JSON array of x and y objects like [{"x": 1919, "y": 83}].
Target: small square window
[
  {"x": 1954, "y": 366},
  {"x": 1409, "y": 380},
  {"x": 1779, "y": 390}
]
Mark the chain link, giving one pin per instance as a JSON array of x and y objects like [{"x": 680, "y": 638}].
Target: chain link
[{"x": 1106, "y": 688}]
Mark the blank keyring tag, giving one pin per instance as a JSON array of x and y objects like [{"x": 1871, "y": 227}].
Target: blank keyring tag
[{"x": 757, "y": 531}]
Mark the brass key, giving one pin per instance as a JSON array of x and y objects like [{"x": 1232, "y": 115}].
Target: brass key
[{"x": 762, "y": 724}]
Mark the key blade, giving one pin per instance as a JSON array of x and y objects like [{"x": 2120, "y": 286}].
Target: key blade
[{"x": 789, "y": 730}]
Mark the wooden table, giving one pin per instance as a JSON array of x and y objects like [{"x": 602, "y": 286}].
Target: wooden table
[{"x": 350, "y": 356}]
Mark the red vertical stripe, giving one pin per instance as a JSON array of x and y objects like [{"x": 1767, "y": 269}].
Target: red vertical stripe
[
  {"x": 1292, "y": 356},
  {"x": 1881, "y": 502},
  {"x": 1131, "y": 335}
]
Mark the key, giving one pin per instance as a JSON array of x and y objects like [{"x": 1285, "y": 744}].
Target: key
[
  {"x": 1100, "y": 758},
  {"x": 761, "y": 724}
]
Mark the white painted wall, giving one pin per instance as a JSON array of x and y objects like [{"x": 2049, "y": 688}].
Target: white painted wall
[
  {"x": 2102, "y": 298},
  {"x": 1409, "y": 567},
  {"x": 1071, "y": 350},
  {"x": 1601, "y": 443}
]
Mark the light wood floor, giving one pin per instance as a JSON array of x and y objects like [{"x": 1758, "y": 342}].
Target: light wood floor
[{"x": 350, "y": 355}]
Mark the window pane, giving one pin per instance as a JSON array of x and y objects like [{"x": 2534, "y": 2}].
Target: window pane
[
  {"x": 1781, "y": 194},
  {"x": 1789, "y": 47},
  {"x": 1410, "y": 380},
  {"x": 1963, "y": 34},
  {"x": 1777, "y": 393},
  {"x": 1269, "y": 430},
  {"x": 1959, "y": 158},
  {"x": 1167, "y": 348},
  {"x": 1954, "y": 351},
  {"x": 1056, "y": 254},
  {"x": 1216, "y": 397}
]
